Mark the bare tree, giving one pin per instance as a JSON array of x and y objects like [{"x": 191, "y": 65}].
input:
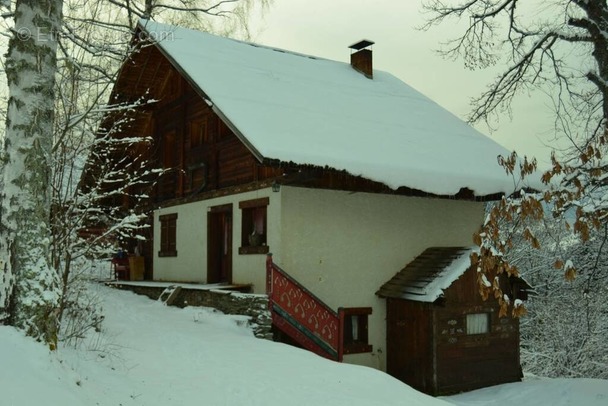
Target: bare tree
[
  {"x": 567, "y": 320},
  {"x": 561, "y": 47},
  {"x": 560, "y": 44},
  {"x": 60, "y": 70}
]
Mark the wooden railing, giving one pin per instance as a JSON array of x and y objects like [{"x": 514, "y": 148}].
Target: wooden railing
[{"x": 301, "y": 315}]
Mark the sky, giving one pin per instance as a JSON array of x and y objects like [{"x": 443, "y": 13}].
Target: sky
[
  {"x": 326, "y": 29},
  {"x": 149, "y": 354}
]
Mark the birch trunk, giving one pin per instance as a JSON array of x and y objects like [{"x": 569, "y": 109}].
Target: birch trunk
[{"x": 29, "y": 287}]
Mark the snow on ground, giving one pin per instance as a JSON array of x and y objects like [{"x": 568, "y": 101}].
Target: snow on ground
[
  {"x": 539, "y": 391},
  {"x": 150, "y": 354}
]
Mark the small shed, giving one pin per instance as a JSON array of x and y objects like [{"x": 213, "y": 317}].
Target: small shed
[{"x": 442, "y": 337}]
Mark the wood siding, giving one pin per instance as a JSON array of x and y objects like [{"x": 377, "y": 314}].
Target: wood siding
[
  {"x": 409, "y": 346},
  {"x": 197, "y": 150},
  {"x": 470, "y": 361},
  {"x": 430, "y": 350}
]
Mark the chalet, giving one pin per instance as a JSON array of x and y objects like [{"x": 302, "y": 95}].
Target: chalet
[{"x": 316, "y": 181}]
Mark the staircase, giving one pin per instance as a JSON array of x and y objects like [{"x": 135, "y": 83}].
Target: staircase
[{"x": 302, "y": 316}]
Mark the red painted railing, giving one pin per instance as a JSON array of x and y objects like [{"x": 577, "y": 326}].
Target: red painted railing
[{"x": 300, "y": 314}]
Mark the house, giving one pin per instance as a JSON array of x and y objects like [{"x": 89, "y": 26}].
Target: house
[{"x": 343, "y": 173}]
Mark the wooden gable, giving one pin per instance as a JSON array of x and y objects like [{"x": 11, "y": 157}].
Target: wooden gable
[
  {"x": 201, "y": 151},
  {"x": 191, "y": 143}
]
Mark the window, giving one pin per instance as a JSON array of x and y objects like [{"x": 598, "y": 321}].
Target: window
[
  {"x": 169, "y": 150},
  {"x": 198, "y": 133},
  {"x": 355, "y": 337},
  {"x": 168, "y": 231},
  {"x": 254, "y": 226},
  {"x": 198, "y": 178},
  {"x": 478, "y": 323},
  {"x": 168, "y": 183}
]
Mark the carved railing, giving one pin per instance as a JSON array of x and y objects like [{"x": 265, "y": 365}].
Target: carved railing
[{"x": 301, "y": 315}]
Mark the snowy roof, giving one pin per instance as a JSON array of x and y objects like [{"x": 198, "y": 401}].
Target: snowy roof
[
  {"x": 426, "y": 277},
  {"x": 308, "y": 110}
]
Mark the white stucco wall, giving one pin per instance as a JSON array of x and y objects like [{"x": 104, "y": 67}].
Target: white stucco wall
[
  {"x": 190, "y": 265},
  {"x": 343, "y": 246}
]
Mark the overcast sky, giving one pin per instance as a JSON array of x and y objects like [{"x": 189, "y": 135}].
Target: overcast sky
[{"x": 326, "y": 28}]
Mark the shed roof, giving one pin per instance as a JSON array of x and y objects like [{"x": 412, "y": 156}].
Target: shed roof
[
  {"x": 307, "y": 110},
  {"x": 428, "y": 275}
]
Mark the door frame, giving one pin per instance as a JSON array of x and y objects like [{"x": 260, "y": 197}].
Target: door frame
[{"x": 219, "y": 232}]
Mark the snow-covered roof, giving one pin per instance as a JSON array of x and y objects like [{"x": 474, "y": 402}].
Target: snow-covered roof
[
  {"x": 426, "y": 277},
  {"x": 308, "y": 110}
]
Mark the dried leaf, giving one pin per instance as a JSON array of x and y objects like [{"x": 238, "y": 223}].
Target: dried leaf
[
  {"x": 519, "y": 311},
  {"x": 477, "y": 239},
  {"x": 503, "y": 310},
  {"x": 570, "y": 274}
]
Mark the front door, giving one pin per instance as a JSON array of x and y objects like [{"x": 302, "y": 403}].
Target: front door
[{"x": 219, "y": 244}]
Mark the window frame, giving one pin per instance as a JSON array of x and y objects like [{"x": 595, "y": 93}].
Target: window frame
[
  {"x": 477, "y": 331},
  {"x": 360, "y": 344},
  {"x": 250, "y": 210},
  {"x": 168, "y": 235}
]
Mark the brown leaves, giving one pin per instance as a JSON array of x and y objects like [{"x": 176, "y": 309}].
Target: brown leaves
[
  {"x": 526, "y": 166},
  {"x": 582, "y": 229},
  {"x": 528, "y": 236},
  {"x": 570, "y": 271},
  {"x": 577, "y": 182},
  {"x": 591, "y": 152},
  {"x": 519, "y": 311},
  {"x": 503, "y": 309},
  {"x": 508, "y": 163},
  {"x": 557, "y": 167},
  {"x": 570, "y": 274},
  {"x": 568, "y": 267},
  {"x": 489, "y": 270},
  {"x": 477, "y": 239}
]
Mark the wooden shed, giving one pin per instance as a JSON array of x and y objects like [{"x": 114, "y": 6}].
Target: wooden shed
[{"x": 442, "y": 337}]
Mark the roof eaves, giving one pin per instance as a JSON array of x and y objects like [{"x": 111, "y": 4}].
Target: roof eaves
[
  {"x": 230, "y": 125},
  {"x": 402, "y": 286}
]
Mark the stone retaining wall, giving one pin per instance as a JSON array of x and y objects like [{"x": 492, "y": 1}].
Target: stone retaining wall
[{"x": 228, "y": 302}]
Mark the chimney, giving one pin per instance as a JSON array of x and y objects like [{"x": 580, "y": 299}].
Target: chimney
[{"x": 361, "y": 59}]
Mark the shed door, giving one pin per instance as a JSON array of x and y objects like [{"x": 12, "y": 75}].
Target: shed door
[
  {"x": 219, "y": 244},
  {"x": 408, "y": 343}
]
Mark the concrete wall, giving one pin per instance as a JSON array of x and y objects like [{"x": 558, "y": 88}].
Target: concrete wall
[
  {"x": 190, "y": 265},
  {"x": 343, "y": 246}
]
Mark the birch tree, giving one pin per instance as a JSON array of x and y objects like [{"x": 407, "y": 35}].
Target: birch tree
[
  {"x": 29, "y": 292},
  {"x": 63, "y": 57}
]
